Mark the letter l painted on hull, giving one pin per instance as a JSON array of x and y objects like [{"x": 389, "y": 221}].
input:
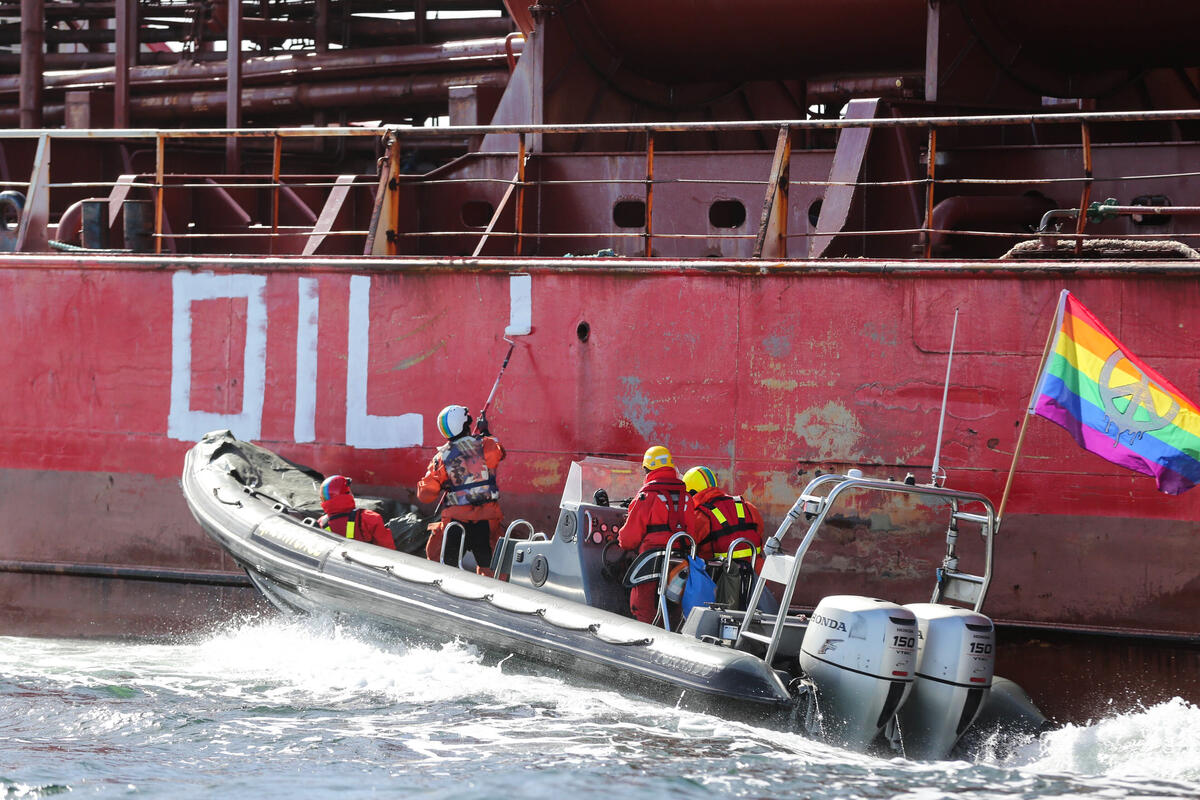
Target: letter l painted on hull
[{"x": 365, "y": 430}]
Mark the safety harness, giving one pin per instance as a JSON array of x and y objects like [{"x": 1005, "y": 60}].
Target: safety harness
[
  {"x": 725, "y": 526},
  {"x": 676, "y": 502},
  {"x": 356, "y": 513}
]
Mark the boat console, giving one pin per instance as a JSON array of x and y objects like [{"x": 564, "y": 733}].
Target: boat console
[{"x": 580, "y": 561}]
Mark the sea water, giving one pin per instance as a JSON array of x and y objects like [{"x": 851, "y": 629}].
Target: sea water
[{"x": 272, "y": 708}]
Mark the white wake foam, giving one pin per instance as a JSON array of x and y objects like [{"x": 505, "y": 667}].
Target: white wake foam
[{"x": 1160, "y": 742}]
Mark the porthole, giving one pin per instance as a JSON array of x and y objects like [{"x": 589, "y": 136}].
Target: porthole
[{"x": 727, "y": 214}]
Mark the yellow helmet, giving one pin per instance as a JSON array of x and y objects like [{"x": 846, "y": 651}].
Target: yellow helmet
[
  {"x": 657, "y": 456},
  {"x": 697, "y": 479}
]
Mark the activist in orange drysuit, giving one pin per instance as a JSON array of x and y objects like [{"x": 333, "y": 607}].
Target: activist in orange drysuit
[
  {"x": 344, "y": 518},
  {"x": 720, "y": 519},
  {"x": 661, "y": 509},
  {"x": 465, "y": 469}
]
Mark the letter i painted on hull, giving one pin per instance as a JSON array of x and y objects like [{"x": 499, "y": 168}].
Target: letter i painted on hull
[
  {"x": 364, "y": 430},
  {"x": 520, "y": 305},
  {"x": 188, "y": 424},
  {"x": 304, "y": 427}
]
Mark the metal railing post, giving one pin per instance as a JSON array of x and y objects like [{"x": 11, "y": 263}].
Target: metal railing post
[
  {"x": 931, "y": 181},
  {"x": 520, "y": 210},
  {"x": 160, "y": 162},
  {"x": 649, "y": 192},
  {"x": 276, "y": 157},
  {"x": 1086, "y": 198}
]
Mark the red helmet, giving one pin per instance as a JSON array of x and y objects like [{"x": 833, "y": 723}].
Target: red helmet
[{"x": 335, "y": 485}]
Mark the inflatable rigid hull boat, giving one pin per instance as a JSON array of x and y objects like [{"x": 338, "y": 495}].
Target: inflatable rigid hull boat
[
  {"x": 857, "y": 671},
  {"x": 301, "y": 568}
]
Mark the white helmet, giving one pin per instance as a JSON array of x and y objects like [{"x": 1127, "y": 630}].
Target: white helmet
[{"x": 453, "y": 421}]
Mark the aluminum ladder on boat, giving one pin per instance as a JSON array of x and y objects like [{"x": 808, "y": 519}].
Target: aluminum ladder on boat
[{"x": 952, "y": 585}]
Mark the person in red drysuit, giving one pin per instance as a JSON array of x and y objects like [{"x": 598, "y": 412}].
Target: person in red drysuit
[
  {"x": 344, "y": 518},
  {"x": 721, "y": 519},
  {"x": 465, "y": 469},
  {"x": 661, "y": 509}
]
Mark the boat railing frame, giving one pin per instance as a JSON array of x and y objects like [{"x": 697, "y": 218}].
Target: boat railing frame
[
  {"x": 462, "y": 542},
  {"x": 507, "y": 542},
  {"x": 732, "y": 549},
  {"x": 951, "y": 583},
  {"x": 665, "y": 575},
  {"x": 730, "y": 557},
  {"x": 770, "y": 240}
]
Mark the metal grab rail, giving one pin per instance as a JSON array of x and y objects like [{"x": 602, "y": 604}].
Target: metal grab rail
[
  {"x": 506, "y": 540},
  {"x": 730, "y": 551},
  {"x": 666, "y": 573},
  {"x": 730, "y": 556},
  {"x": 462, "y": 542},
  {"x": 951, "y": 584}
]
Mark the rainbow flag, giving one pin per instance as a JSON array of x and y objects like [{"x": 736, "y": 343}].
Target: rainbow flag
[{"x": 1114, "y": 405}]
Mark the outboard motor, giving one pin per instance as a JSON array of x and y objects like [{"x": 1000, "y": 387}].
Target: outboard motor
[
  {"x": 955, "y": 661},
  {"x": 860, "y": 654}
]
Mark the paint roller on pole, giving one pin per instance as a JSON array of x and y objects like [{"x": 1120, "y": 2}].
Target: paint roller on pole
[{"x": 520, "y": 323}]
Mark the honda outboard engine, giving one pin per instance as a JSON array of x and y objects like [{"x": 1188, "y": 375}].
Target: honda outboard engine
[
  {"x": 955, "y": 660},
  {"x": 860, "y": 654}
]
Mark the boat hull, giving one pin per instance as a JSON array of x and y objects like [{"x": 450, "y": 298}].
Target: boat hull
[{"x": 302, "y": 569}]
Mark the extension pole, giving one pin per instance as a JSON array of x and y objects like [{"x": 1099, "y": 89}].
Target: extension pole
[
  {"x": 496, "y": 385},
  {"x": 1025, "y": 421}
]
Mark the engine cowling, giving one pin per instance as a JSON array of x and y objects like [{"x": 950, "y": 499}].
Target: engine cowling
[
  {"x": 860, "y": 654},
  {"x": 955, "y": 663}
]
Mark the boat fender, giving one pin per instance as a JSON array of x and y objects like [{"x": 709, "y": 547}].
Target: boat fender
[{"x": 621, "y": 641}]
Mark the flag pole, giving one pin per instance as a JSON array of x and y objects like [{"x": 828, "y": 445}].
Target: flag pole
[{"x": 1029, "y": 411}]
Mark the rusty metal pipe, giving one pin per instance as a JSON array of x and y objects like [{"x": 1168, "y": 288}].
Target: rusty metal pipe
[
  {"x": 399, "y": 31},
  {"x": 465, "y": 55},
  {"x": 11, "y": 62},
  {"x": 1168, "y": 211},
  {"x": 983, "y": 212},
  {"x": 267, "y": 99},
  {"x": 9, "y": 34},
  {"x": 32, "y": 65}
]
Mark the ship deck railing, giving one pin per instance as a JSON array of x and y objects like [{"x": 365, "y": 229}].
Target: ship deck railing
[{"x": 494, "y": 201}]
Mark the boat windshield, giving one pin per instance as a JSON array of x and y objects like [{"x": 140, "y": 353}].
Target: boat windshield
[{"x": 620, "y": 479}]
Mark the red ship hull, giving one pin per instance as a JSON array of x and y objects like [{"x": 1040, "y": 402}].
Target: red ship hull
[{"x": 118, "y": 365}]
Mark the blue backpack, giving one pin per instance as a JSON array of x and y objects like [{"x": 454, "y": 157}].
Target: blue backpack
[{"x": 699, "y": 589}]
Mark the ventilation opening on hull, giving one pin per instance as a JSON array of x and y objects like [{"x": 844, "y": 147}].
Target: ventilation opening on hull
[
  {"x": 727, "y": 214},
  {"x": 814, "y": 213},
  {"x": 629, "y": 214},
  {"x": 477, "y": 213}
]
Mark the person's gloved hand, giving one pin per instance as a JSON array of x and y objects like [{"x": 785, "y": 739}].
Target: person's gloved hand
[{"x": 481, "y": 427}]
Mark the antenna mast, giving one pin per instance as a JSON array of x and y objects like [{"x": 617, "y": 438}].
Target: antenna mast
[{"x": 937, "y": 473}]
